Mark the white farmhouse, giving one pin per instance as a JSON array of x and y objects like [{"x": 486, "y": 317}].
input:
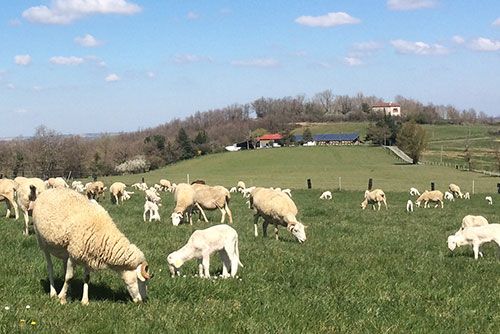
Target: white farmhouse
[{"x": 391, "y": 108}]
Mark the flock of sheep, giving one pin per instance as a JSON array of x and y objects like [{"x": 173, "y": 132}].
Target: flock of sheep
[{"x": 70, "y": 224}]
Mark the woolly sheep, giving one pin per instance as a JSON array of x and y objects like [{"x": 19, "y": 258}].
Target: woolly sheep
[
  {"x": 455, "y": 190},
  {"x": 57, "y": 182},
  {"x": 70, "y": 227},
  {"x": 211, "y": 198},
  {"x": 467, "y": 195},
  {"x": 276, "y": 208},
  {"x": 471, "y": 220},
  {"x": 409, "y": 206},
  {"x": 326, "y": 195},
  {"x": 475, "y": 236},
  {"x": 449, "y": 196},
  {"x": 414, "y": 192},
  {"x": 489, "y": 200},
  {"x": 184, "y": 203},
  {"x": 117, "y": 191},
  {"x": 7, "y": 194},
  {"x": 375, "y": 196},
  {"x": 27, "y": 192},
  {"x": 152, "y": 209},
  {"x": 95, "y": 189},
  {"x": 165, "y": 184},
  {"x": 430, "y": 196},
  {"x": 140, "y": 186},
  {"x": 201, "y": 244}
]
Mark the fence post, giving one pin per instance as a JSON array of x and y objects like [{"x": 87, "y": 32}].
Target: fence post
[
  {"x": 472, "y": 187},
  {"x": 309, "y": 184},
  {"x": 340, "y": 184},
  {"x": 432, "y": 186},
  {"x": 498, "y": 187},
  {"x": 370, "y": 183},
  {"x": 142, "y": 179}
]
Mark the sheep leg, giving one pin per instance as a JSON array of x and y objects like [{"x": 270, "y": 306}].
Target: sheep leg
[
  {"x": 255, "y": 220},
  {"x": 200, "y": 268},
  {"x": 223, "y": 215},
  {"x": 442, "y": 204},
  {"x": 379, "y": 205},
  {"x": 50, "y": 271},
  {"x": 26, "y": 222},
  {"x": 206, "y": 265},
  {"x": 67, "y": 277},
  {"x": 116, "y": 200},
  {"x": 224, "y": 257},
  {"x": 202, "y": 212},
  {"x": 385, "y": 203},
  {"x": 235, "y": 259},
  {"x": 86, "y": 280},
  {"x": 475, "y": 247},
  {"x": 144, "y": 215},
  {"x": 264, "y": 228},
  {"x": 276, "y": 231}
]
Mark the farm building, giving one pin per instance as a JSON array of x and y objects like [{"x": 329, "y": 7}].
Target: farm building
[
  {"x": 393, "y": 109},
  {"x": 269, "y": 140},
  {"x": 332, "y": 139}
]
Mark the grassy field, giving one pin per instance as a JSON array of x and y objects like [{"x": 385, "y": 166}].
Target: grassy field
[{"x": 359, "y": 271}]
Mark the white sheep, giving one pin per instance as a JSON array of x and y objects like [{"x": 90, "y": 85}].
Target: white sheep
[
  {"x": 246, "y": 192},
  {"x": 117, "y": 191},
  {"x": 276, "y": 208},
  {"x": 455, "y": 190},
  {"x": 211, "y": 198},
  {"x": 326, "y": 195},
  {"x": 152, "y": 195},
  {"x": 95, "y": 190},
  {"x": 233, "y": 190},
  {"x": 475, "y": 236},
  {"x": 57, "y": 182},
  {"x": 430, "y": 196},
  {"x": 471, "y": 220},
  {"x": 240, "y": 186},
  {"x": 78, "y": 186},
  {"x": 7, "y": 194},
  {"x": 467, "y": 195},
  {"x": 152, "y": 209},
  {"x": 373, "y": 197},
  {"x": 409, "y": 206},
  {"x": 489, "y": 200},
  {"x": 201, "y": 244},
  {"x": 449, "y": 196},
  {"x": 70, "y": 227},
  {"x": 414, "y": 192},
  {"x": 27, "y": 192},
  {"x": 140, "y": 186},
  {"x": 184, "y": 203}
]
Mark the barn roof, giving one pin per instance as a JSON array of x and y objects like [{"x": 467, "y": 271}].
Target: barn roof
[
  {"x": 386, "y": 104},
  {"x": 331, "y": 137},
  {"x": 272, "y": 136}
]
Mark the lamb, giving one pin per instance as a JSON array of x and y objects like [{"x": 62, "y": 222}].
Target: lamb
[
  {"x": 326, "y": 195},
  {"x": 455, "y": 190},
  {"x": 240, "y": 186},
  {"x": 211, "y": 198},
  {"x": 233, "y": 190},
  {"x": 27, "y": 192},
  {"x": 475, "y": 236},
  {"x": 449, "y": 196},
  {"x": 140, "y": 186},
  {"x": 152, "y": 196},
  {"x": 414, "y": 192},
  {"x": 7, "y": 194},
  {"x": 409, "y": 206},
  {"x": 118, "y": 192},
  {"x": 70, "y": 227},
  {"x": 184, "y": 203},
  {"x": 276, "y": 208},
  {"x": 372, "y": 197},
  {"x": 57, "y": 182},
  {"x": 202, "y": 244},
  {"x": 430, "y": 196},
  {"x": 489, "y": 200},
  {"x": 165, "y": 184},
  {"x": 470, "y": 220},
  {"x": 467, "y": 195},
  {"x": 247, "y": 191},
  {"x": 95, "y": 189},
  {"x": 153, "y": 210},
  {"x": 78, "y": 186}
]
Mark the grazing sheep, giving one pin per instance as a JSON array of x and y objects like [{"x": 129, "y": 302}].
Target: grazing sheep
[
  {"x": 126, "y": 195},
  {"x": 475, "y": 236},
  {"x": 409, "y": 206},
  {"x": 140, "y": 186},
  {"x": 57, "y": 182},
  {"x": 326, "y": 195},
  {"x": 70, "y": 227},
  {"x": 172, "y": 188},
  {"x": 489, "y": 200},
  {"x": 117, "y": 191},
  {"x": 152, "y": 195},
  {"x": 165, "y": 184},
  {"x": 247, "y": 191},
  {"x": 233, "y": 190},
  {"x": 152, "y": 209},
  {"x": 276, "y": 208},
  {"x": 471, "y": 220},
  {"x": 430, "y": 196},
  {"x": 202, "y": 244},
  {"x": 414, "y": 192},
  {"x": 455, "y": 190},
  {"x": 288, "y": 192},
  {"x": 449, "y": 196},
  {"x": 467, "y": 195},
  {"x": 211, "y": 198},
  {"x": 7, "y": 194},
  {"x": 240, "y": 186},
  {"x": 373, "y": 197},
  {"x": 27, "y": 192},
  {"x": 184, "y": 203},
  {"x": 95, "y": 190}
]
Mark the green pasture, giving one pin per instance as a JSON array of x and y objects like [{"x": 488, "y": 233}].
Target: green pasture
[{"x": 358, "y": 272}]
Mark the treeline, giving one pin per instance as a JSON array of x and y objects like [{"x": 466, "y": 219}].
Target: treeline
[{"x": 49, "y": 153}]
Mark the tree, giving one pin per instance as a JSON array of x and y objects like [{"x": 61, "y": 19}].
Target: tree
[
  {"x": 185, "y": 145},
  {"x": 384, "y": 131},
  {"x": 412, "y": 139},
  {"x": 307, "y": 135}
]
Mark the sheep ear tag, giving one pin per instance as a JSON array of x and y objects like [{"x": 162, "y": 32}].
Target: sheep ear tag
[
  {"x": 139, "y": 274},
  {"x": 178, "y": 263}
]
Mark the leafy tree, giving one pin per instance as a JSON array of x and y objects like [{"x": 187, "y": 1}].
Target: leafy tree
[
  {"x": 185, "y": 145},
  {"x": 384, "y": 131},
  {"x": 307, "y": 135},
  {"x": 201, "y": 143},
  {"x": 412, "y": 139}
]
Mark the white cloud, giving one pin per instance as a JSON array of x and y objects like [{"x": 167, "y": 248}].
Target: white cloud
[
  {"x": 192, "y": 16},
  {"x": 150, "y": 74},
  {"x": 67, "y": 11},
  {"x": 485, "y": 44},
  {"x": 353, "y": 61},
  {"x": 22, "y": 60},
  {"x": 410, "y": 4},
  {"x": 190, "y": 58},
  {"x": 87, "y": 41},
  {"x": 112, "y": 77},
  {"x": 458, "y": 39},
  {"x": 59, "y": 60},
  {"x": 418, "y": 48},
  {"x": 496, "y": 22},
  {"x": 328, "y": 20},
  {"x": 11, "y": 86},
  {"x": 258, "y": 62}
]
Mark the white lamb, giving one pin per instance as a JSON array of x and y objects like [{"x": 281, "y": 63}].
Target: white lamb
[
  {"x": 7, "y": 194},
  {"x": 455, "y": 190},
  {"x": 69, "y": 226},
  {"x": 202, "y": 244},
  {"x": 449, "y": 196},
  {"x": 140, "y": 186},
  {"x": 152, "y": 209},
  {"x": 467, "y": 195},
  {"x": 414, "y": 192},
  {"x": 240, "y": 186},
  {"x": 373, "y": 197},
  {"x": 165, "y": 184},
  {"x": 409, "y": 206},
  {"x": 470, "y": 220},
  {"x": 233, "y": 190},
  {"x": 489, "y": 200},
  {"x": 475, "y": 236},
  {"x": 78, "y": 186},
  {"x": 326, "y": 195},
  {"x": 152, "y": 195}
]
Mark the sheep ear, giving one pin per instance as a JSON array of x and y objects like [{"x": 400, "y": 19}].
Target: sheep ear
[{"x": 138, "y": 271}]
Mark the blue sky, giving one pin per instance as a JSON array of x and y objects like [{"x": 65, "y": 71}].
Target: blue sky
[{"x": 81, "y": 66}]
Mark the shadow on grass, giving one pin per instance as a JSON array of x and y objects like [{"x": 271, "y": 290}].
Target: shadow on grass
[
  {"x": 402, "y": 164},
  {"x": 96, "y": 291}
]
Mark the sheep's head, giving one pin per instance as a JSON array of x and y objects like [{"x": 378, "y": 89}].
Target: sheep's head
[
  {"x": 176, "y": 218},
  {"x": 364, "y": 204},
  {"x": 136, "y": 282},
  {"x": 174, "y": 263},
  {"x": 298, "y": 230},
  {"x": 452, "y": 242}
]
